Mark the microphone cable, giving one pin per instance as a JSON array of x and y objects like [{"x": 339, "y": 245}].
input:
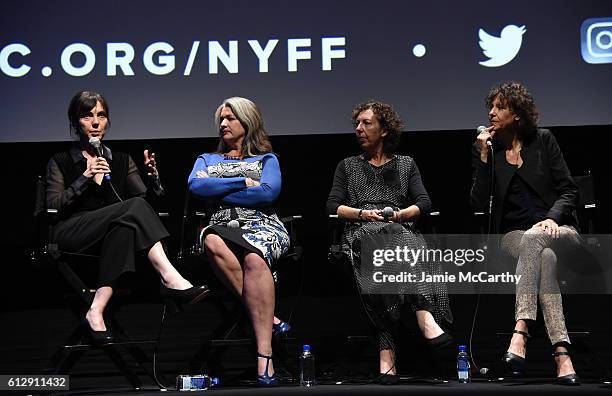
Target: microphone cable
[{"x": 483, "y": 370}]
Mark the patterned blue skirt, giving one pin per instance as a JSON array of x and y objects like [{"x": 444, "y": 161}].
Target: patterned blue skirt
[{"x": 252, "y": 229}]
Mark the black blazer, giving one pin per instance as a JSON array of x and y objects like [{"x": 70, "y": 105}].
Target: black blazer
[{"x": 544, "y": 169}]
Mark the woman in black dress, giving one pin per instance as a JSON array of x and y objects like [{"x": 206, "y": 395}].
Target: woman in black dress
[
  {"x": 363, "y": 186},
  {"x": 99, "y": 197}
]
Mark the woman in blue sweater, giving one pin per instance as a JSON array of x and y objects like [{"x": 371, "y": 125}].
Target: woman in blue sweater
[{"x": 240, "y": 182}]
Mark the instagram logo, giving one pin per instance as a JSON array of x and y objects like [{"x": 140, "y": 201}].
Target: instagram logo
[{"x": 596, "y": 40}]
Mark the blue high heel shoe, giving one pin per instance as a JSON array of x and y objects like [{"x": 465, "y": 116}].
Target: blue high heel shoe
[
  {"x": 266, "y": 380},
  {"x": 280, "y": 328}
]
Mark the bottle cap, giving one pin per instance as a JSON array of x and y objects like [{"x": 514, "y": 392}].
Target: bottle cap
[
  {"x": 306, "y": 348},
  {"x": 462, "y": 348}
]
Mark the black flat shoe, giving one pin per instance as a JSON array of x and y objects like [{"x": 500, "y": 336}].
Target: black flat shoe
[
  {"x": 187, "y": 296},
  {"x": 570, "y": 379},
  {"x": 389, "y": 379}
]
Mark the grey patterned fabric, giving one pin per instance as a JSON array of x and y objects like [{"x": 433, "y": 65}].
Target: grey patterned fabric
[
  {"x": 537, "y": 265},
  {"x": 372, "y": 187}
]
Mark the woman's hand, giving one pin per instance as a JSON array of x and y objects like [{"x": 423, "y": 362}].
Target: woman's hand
[
  {"x": 372, "y": 215},
  {"x": 150, "y": 164},
  {"x": 97, "y": 167},
  {"x": 250, "y": 182},
  {"x": 482, "y": 138},
  {"x": 201, "y": 174},
  {"x": 549, "y": 226},
  {"x": 397, "y": 216}
]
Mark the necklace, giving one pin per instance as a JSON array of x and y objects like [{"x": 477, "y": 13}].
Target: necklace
[{"x": 231, "y": 157}]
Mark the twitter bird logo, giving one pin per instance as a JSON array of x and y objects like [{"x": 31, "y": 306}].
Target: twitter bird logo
[{"x": 501, "y": 50}]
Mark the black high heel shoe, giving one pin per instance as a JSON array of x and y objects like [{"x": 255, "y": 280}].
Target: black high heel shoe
[
  {"x": 389, "y": 379},
  {"x": 99, "y": 338},
  {"x": 439, "y": 342},
  {"x": 569, "y": 379},
  {"x": 102, "y": 337},
  {"x": 513, "y": 364},
  {"x": 187, "y": 296}
]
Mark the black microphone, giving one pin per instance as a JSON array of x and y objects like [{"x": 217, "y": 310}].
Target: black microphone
[
  {"x": 388, "y": 212},
  {"x": 481, "y": 129},
  {"x": 96, "y": 143}
]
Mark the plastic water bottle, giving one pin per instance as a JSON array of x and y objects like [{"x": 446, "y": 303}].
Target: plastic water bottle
[
  {"x": 307, "y": 367},
  {"x": 198, "y": 382},
  {"x": 463, "y": 365}
]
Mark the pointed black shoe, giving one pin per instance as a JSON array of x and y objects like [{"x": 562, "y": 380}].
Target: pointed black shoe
[
  {"x": 439, "y": 342},
  {"x": 187, "y": 296},
  {"x": 98, "y": 337},
  {"x": 389, "y": 379},
  {"x": 514, "y": 365},
  {"x": 101, "y": 337},
  {"x": 569, "y": 379}
]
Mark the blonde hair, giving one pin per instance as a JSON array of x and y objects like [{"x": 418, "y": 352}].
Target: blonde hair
[{"x": 256, "y": 141}]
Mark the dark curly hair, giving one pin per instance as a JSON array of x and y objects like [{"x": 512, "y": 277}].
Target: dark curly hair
[
  {"x": 519, "y": 100},
  {"x": 389, "y": 121}
]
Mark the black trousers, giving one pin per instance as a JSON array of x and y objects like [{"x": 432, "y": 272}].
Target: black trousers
[{"x": 120, "y": 230}]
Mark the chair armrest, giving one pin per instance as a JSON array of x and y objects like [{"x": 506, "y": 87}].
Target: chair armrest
[{"x": 289, "y": 219}]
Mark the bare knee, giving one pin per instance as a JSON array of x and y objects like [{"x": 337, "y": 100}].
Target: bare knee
[
  {"x": 214, "y": 244},
  {"x": 253, "y": 263}
]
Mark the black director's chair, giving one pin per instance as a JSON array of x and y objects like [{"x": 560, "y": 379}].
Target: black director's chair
[
  {"x": 234, "y": 328},
  {"x": 79, "y": 300}
]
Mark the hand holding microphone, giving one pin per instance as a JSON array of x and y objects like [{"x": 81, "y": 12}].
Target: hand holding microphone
[
  {"x": 388, "y": 213},
  {"x": 484, "y": 138},
  {"x": 100, "y": 165}
]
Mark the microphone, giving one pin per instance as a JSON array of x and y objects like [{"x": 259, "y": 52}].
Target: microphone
[
  {"x": 388, "y": 212},
  {"x": 233, "y": 224},
  {"x": 481, "y": 129},
  {"x": 96, "y": 143}
]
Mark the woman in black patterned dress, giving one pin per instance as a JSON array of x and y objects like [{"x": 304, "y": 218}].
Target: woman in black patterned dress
[{"x": 363, "y": 186}]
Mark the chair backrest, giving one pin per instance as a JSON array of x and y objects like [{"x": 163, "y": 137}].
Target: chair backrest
[{"x": 586, "y": 202}]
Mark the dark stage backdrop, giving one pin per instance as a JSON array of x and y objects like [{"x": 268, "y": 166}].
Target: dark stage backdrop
[
  {"x": 31, "y": 291},
  {"x": 308, "y": 164},
  {"x": 164, "y": 65}
]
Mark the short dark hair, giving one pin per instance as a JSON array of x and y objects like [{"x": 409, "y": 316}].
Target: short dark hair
[
  {"x": 519, "y": 100},
  {"x": 389, "y": 121},
  {"x": 80, "y": 104}
]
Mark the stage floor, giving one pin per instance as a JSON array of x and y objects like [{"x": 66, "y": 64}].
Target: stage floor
[
  {"x": 532, "y": 386},
  {"x": 29, "y": 337}
]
